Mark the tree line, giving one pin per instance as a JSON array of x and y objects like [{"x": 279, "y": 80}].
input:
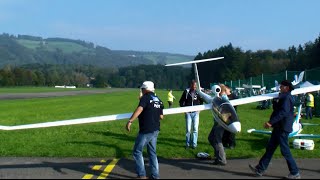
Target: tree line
[
  {"x": 238, "y": 64},
  {"x": 84, "y": 75}
]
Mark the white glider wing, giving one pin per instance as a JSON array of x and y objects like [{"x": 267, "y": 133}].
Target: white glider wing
[
  {"x": 101, "y": 118},
  {"x": 296, "y": 136},
  {"x": 307, "y": 136},
  {"x": 259, "y": 131},
  {"x": 165, "y": 111},
  {"x": 263, "y": 97}
]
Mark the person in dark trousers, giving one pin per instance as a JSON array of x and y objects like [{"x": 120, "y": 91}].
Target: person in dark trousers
[
  {"x": 229, "y": 138},
  {"x": 309, "y": 105},
  {"x": 281, "y": 121},
  {"x": 215, "y": 136},
  {"x": 190, "y": 97},
  {"x": 149, "y": 112}
]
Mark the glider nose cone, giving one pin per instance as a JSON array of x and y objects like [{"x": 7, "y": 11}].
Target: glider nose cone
[{"x": 235, "y": 127}]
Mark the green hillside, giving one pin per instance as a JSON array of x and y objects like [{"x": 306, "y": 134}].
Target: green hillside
[
  {"x": 158, "y": 57},
  {"x": 66, "y": 47},
  {"x": 24, "y": 49}
]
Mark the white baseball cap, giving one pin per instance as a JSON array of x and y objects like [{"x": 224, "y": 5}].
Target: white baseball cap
[{"x": 148, "y": 85}]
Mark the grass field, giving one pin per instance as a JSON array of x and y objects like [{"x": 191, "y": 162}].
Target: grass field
[{"x": 110, "y": 139}]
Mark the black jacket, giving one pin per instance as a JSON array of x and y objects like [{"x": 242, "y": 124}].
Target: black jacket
[
  {"x": 187, "y": 99},
  {"x": 282, "y": 116}
]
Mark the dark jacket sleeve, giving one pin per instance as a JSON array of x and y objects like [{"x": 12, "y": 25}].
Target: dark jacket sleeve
[
  {"x": 283, "y": 111},
  {"x": 182, "y": 99}
]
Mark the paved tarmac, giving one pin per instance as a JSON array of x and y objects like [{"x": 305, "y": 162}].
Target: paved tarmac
[
  {"x": 59, "y": 94},
  {"x": 99, "y": 168}
]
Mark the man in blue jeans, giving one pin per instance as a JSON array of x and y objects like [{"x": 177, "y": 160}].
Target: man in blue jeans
[
  {"x": 281, "y": 121},
  {"x": 149, "y": 112},
  {"x": 190, "y": 97}
]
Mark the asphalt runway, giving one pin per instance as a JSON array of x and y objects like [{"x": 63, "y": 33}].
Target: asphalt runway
[
  {"x": 99, "y": 168},
  {"x": 59, "y": 94}
]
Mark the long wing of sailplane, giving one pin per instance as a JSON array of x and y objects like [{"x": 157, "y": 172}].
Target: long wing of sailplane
[
  {"x": 296, "y": 128},
  {"x": 100, "y": 118},
  {"x": 197, "y": 61},
  {"x": 165, "y": 111}
]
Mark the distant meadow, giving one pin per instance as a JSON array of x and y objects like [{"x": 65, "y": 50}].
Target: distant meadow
[{"x": 110, "y": 139}]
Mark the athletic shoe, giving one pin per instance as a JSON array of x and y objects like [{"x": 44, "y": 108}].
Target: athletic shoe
[
  {"x": 291, "y": 176},
  {"x": 255, "y": 171}
]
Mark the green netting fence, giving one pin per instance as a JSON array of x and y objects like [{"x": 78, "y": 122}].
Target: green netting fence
[{"x": 268, "y": 80}]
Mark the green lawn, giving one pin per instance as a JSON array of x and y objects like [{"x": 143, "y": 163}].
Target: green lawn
[{"x": 110, "y": 139}]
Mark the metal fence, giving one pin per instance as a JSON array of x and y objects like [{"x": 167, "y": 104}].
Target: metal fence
[{"x": 268, "y": 80}]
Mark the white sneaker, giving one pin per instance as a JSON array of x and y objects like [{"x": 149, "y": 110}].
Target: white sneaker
[{"x": 291, "y": 176}]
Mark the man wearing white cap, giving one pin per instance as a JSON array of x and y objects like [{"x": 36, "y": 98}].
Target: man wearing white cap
[{"x": 149, "y": 112}]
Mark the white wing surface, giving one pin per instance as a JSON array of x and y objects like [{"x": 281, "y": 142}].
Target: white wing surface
[{"x": 165, "y": 111}]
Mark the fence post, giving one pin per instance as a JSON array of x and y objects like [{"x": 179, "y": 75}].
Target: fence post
[
  {"x": 286, "y": 75},
  {"x": 305, "y": 75}
]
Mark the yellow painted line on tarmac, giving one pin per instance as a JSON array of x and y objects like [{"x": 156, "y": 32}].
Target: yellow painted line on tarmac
[
  {"x": 95, "y": 168},
  {"x": 108, "y": 169},
  {"x": 87, "y": 176},
  {"x": 105, "y": 172}
]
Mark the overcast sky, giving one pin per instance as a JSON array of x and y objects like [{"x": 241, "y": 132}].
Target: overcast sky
[{"x": 174, "y": 26}]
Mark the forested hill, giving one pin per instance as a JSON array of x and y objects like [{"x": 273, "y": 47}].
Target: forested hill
[
  {"x": 158, "y": 57},
  {"x": 24, "y": 49}
]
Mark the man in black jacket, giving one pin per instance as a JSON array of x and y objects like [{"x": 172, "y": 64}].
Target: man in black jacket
[
  {"x": 190, "y": 97},
  {"x": 281, "y": 121}
]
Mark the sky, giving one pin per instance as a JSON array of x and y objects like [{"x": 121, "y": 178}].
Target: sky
[{"x": 175, "y": 26}]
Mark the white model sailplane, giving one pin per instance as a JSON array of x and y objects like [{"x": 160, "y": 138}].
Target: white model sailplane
[
  {"x": 296, "y": 128},
  {"x": 297, "y": 80},
  {"x": 223, "y": 111}
]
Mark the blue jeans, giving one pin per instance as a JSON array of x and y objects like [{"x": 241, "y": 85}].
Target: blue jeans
[
  {"x": 278, "y": 137},
  {"x": 192, "y": 120},
  {"x": 149, "y": 140}
]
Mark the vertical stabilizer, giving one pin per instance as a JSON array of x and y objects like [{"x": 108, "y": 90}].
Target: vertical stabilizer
[
  {"x": 276, "y": 85},
  {"x": 196, "y": 74},
  {"x": 298, "y": 115},
  {"x": 301, "y": 77},
  {"x": 295, "y": 78}
]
